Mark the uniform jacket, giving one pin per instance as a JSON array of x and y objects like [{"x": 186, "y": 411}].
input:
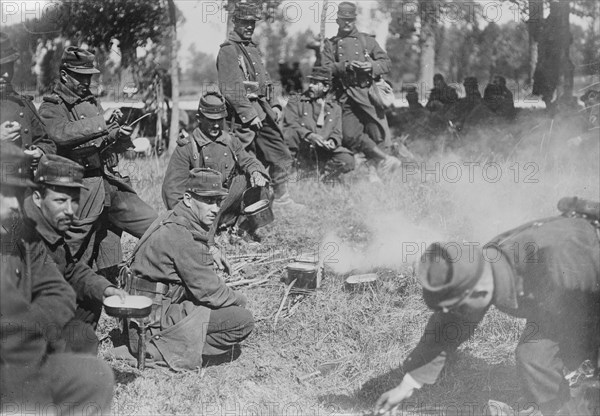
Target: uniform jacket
[
  {"x": 177, "y": 255},
  {"x": 301, "y": 115},
  {"x": 231, "y": 77},
  {"x": 19, "y": 108},
  {"x": 548, "y": 273},
  {"x": 35, "y": 304},
  {"x": 339, "y": 51},
  {"x": 88, "y": 285},
  {"x": 444, "y": 94},
  {"x": 226, "y": 155}
]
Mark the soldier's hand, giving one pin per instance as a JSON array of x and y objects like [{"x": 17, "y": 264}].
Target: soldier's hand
[
  {"x": 392, "y": 398},
  {"x": 115, "y": 291},
  {"x": 112, "y": 115},
  {"x": 330, "y": 144},
  {"x": 36, "y": 153},
  {"x": 316, "y": 139},
  {"x": 220, "y": 260},
  {"x": 125, "y": 132},
  {"x": 278, "y": 114},
  {"x": 256, "y": 123},
  {"x": 257, "y": 179},
  {"x": 10, "y": 130}
]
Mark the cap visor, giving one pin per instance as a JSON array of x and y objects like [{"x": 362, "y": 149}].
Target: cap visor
[
  {"x": 86, "y": 71},
  {"x": 62, "y": 184},
  {"x": 214, "y": 116},
  {"x": 221, "y": 192}
]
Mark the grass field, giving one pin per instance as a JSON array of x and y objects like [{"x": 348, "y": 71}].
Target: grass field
[{"x": 367, "y": 333}]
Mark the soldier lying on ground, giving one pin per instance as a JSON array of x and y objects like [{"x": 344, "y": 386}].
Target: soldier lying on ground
[
  {"x": 51, "y": 209},
  {"x": 210, "y": 147},
  {"x": 194, "y": 313},
  {"x": 545, "y": 271},
  {"x": 312, "y": 125},
  {"x": 35, "y": 304}
]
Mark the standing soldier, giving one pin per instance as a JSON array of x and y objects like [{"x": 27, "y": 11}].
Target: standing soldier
[
  {"x": 19, "y": 120},
  {"x": 92, "y": 137},
  {"x": 313, "y": 120},
  {"x": 247, "y": 87},
  {"x": 356, "y": 60}
]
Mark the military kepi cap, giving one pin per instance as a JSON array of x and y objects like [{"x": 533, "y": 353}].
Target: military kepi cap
[
  {"x": 78, "y": 60},
  {"x": 320, "y": 73},
  {"x": 246, "y": 11},
  {"x": 7, "y": 52},
  {"x": 212, "y": 105},
  {"x": 205, "y": 182},
  {"x": 59, "y": 171},
  {"x": 346, "y": 10},
  {"x": 447, "y": 274},
  {"x": 15, "y": 166}
]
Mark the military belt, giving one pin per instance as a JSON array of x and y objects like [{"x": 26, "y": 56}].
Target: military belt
[{"x": 143, "y": 285}]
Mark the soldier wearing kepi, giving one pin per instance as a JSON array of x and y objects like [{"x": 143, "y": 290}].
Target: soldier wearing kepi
[
  {"x": 247, "y": 87},
  {"x": 51, "y": 208},
  {"x": 19, "y": 120},
  {"x": 547, "y": 272},
  {"x": 356, "y": 60},
  {"x": 93, "y": 138},
  {"x": 194, "y": 312},
  {"x": 210, "y": 147},
  {"x": 313, "y": 120},
  {"x": 35, "y": 303}
]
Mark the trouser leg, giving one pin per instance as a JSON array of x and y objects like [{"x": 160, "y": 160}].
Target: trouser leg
[
  {"x": 128, "y": 212},
  {"x": 274, "y": 154},
  {"x": 226, "y": 328},
  {"x": 540, "y": 370},
  {"x": 79, "y": 333},
  {"x": 335, "y": 164},
  {"x": 79, "y": 384},
  {"x": 230, "y": 207}
]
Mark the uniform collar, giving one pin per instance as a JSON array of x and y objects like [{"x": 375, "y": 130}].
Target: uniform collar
[
  {"x": 203, "y": 140},
  {"x": 69, "y": 96},
  {"x": 353, "y": 34},
  {"x": 234, "y": 37},
  {"x": 304, "y": 97},
  {"x": 183, "y": 215},
  {"x": 42, "y": 226}
]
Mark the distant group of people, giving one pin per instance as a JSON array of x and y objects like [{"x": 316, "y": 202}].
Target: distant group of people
[{"x": 65, "y": 205}]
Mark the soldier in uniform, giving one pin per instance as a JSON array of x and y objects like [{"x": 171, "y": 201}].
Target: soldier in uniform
[
  {"x": 35, "y": 303},
  {"x": 51, "y": 208},
  {"x": 19, "y": 120},
  {"x": 313, "y": 123},
  {"x": 356, "y": 60},
  {"x": 210, "y": 147},
  {"x": 92, "y": 137},
  {"x": 547, "y": 272},
  {"x": 498, "y": 98},
  {"x": 246, "y": 85},
  {"x": 194, "y": 312},
  {"x": 441, "y": 95}
]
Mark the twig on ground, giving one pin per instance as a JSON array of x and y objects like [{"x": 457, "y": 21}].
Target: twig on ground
[{"x": 285, "y": 295}]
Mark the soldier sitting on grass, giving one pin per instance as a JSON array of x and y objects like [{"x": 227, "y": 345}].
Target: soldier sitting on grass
[{"x": 194, "y": 312}]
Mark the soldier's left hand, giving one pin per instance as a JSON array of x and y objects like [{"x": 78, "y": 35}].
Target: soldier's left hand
[
  {"x": 115, "y": 291},
  {"x": 125, "y": 132},
  {"x": 221, "y": 262},
  {"x": 278, "y": 114},
  {"x": 329, "y": 144},
  {"x": 257, "y": 179}
]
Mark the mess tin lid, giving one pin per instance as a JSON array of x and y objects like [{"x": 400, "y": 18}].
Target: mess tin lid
[{"x": 301, "y": 266}]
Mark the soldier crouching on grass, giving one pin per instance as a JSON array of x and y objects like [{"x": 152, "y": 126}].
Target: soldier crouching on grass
[
  {"x": 210, "y": 147},
  {"x": 51, "y": 209},
  {"x": 312, "y": 122},
  {"x": 194, "y": 312},
  {"x": 546, "y": 271}
]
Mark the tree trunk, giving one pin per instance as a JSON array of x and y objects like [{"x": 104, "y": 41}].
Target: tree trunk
[
  {"x": 535, "y": 11},
  {"x": 174, "y": 127},
  {"x": 427, "y": 57}
]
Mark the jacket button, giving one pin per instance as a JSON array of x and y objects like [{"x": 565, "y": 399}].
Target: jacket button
[
  {"x": 157, "y": 337},
  {"x": 21, "y": 114},
  {"x": 356, "y": 52},
  {"x": 99, "y": 128},
  {"x": 224, "y": 154},
  {"x": 226, "y": 166},
  {"x": 206, "y": 157},
  {"x": 305, "y": 114},
  {"x": 302, "y": 124},
  {"x": 25, "y": 131}
]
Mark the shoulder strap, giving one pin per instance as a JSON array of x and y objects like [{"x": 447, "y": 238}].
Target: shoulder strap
[
  {"x": 248, "y": 59},
  {"x": 159, "y": 222},
  {"x": 363, "y": 45}
]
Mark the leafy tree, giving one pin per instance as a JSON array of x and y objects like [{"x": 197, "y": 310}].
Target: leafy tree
[{"x": 202, "y": 67}]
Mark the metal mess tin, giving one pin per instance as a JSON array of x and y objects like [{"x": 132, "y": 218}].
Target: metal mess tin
[
  {"x": 133, "y": 307},
  {"x": 304, "y": 273}
]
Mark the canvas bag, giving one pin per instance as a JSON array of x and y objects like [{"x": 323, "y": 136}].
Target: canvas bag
[{"x": 381, "y": 92}]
